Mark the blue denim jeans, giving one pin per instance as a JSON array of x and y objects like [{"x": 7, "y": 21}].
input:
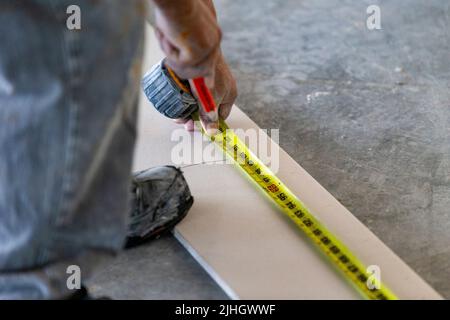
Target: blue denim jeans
[{"x": 68, "y": 103}]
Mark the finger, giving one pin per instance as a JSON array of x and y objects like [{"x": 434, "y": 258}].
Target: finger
[
  {"x": 210, "y": 123},
  {"x": 229, "y": 99},
  {"x": 210, "y": 80},
  {"x": 167, "y": 47},
  {"x": 189, "y": 125},
  {"x": 225, "y": 110},
  {"x": 205, "y": 68},
  {"x": 185, "y": 71}
]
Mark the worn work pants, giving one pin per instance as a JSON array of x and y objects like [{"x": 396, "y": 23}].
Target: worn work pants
[{"x": 67, "y": 129}]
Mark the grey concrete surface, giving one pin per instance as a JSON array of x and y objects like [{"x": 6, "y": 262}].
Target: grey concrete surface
[
  {"x": 367, "y": 113},
  {"x": 161, "y": 269}
]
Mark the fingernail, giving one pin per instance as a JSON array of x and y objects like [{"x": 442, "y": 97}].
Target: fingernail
[
  {"x": 213, "y": 116},
  {"x": 212, "y": 129}
]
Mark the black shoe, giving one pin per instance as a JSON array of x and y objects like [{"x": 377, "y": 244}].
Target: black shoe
[{"x": 161, "y": 199}]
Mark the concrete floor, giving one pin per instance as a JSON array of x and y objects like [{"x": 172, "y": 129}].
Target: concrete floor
[
  {"x": 367, "y": 113},
  {"x": 160, "y": 270}
]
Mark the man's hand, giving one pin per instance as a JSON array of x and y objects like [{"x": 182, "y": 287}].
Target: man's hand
[
  {"x": 190, "y": 37},
  {"x": 224, "y": 92}
]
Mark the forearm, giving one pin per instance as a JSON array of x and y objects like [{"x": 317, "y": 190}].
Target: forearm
[
  {"x": 188, "y": 34},
  {"x": 176, "y": 8},
  {"x": 210, "y": 5}
]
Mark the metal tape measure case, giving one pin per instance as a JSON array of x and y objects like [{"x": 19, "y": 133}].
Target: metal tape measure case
[{"x": 165, "y": 95}]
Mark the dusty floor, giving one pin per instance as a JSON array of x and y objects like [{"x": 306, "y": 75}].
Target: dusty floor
[{"x": 367, "y": 113}]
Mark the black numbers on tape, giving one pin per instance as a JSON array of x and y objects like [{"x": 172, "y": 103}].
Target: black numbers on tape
[
  {"x": 290, "y": 205},
  {"x": 299, "y": 214},
  {"x": 282, "y": 196},
  {"x": 362, "y": 278},
  {"x": 344, "y": 258},
  {"x": 381, "y": 296},
  {"x": 352, "y": 268},
  {"x": 307, "y": 222},
  {"x": 335, "y": 250}
]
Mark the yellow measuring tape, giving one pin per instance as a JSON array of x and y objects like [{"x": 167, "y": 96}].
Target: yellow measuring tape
[{"x": 351, "y": 267}]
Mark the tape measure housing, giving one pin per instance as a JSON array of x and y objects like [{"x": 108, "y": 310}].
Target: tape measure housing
[{"x": 165, "y": 95}]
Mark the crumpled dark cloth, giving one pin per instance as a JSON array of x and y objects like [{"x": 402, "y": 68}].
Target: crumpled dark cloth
[{"x": 161, "y": 198}]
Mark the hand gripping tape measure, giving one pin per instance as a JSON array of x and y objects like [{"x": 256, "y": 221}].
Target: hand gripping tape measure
[{"x": 173, "y": 98}]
